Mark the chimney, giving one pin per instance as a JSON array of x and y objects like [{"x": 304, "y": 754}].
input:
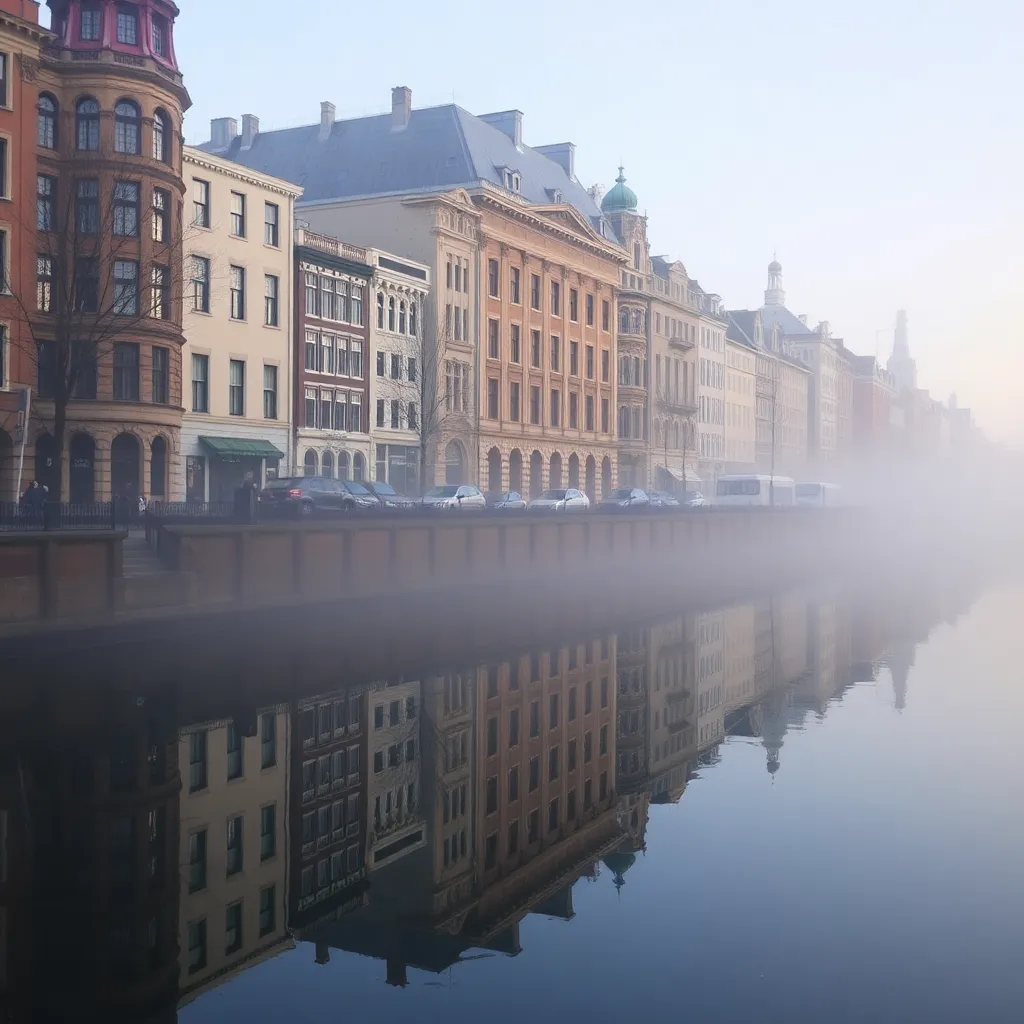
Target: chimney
[
  {"x": 222, "y": 131},
  {"x": 563, "y": 154},
  {"x": 401, "y": 107},
  {"x": 250, "y": 129},
  {"x": 803, "y": 319},
  {"x": 326, "y": 120},
  {"x": 510, "y": 122}
]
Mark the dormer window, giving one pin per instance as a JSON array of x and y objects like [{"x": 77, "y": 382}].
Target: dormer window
[
  {"x": 511, "y": 179},
  {"x": 127, "y": 24},
  {"x": 91, "y": 24},
  {"x": 555, "y": 195}
]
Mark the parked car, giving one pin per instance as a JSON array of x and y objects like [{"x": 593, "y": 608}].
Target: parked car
[
  {"x": 389, "y": 497},
  {"x": 463, "y": 496},
  {"x": 306, "y": 495},
  {"x": 663, "y": 499},
  {"x": 625, "y": 497},
  {"x": 510, "y": 501},
  {"x": 693, "y": 499},
  {"x": 568, "y": 500}
]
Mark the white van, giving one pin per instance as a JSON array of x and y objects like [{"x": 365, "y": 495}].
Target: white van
[
  {"x": 817, "y": 495},
  {"x": 753, "y": 489}
]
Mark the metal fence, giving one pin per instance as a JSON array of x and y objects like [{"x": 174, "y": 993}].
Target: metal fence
[{"x": 63, "y": 515}]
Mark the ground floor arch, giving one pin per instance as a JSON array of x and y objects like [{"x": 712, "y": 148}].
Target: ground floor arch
[
  {"x": 606, "y": 476},
  {"x": 515, "y": 471},
  {"x": 158, "y": 468},
  {"x": 454, "y": 463},
  {"x": 46, "y": 469},
  {"x": 494, "y": 470},
  {"x": 125, "y": 466},
  {"x": 536, "y": 474},
  {"x": 82, "y": 468},
  {"x": 574, "y": 471},
  {"x": 590, "y": 485},
  {"x": 555, "y": 471}
]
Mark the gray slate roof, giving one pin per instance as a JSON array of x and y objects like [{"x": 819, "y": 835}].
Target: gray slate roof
[
  {"x": 741, "y": 326},
  {"x": 441, "y": 148},
  {"x": 789, "y": 323}
]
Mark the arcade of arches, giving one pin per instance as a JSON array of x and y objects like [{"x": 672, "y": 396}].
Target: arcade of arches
[
  {"x": 98, "y": 465},
  {"x": 530, "y": 471}
]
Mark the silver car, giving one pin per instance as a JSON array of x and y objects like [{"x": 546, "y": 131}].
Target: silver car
[
  {"x": 454, "y": 496},
  {"x": 569, "y": 500}
]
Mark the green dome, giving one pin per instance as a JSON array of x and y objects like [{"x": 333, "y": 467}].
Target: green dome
[{"x": 620, "y": 197}]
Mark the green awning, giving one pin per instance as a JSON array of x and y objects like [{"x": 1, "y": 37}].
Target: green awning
[{"x": 230, "y": 448}]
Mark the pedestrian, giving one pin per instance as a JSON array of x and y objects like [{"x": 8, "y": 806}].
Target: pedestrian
[{"x": 143, "y": 504}]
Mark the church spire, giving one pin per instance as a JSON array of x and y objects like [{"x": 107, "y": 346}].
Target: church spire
[
  {"x": 774, "y": 295},
  {"x": 900, "y": 365}
]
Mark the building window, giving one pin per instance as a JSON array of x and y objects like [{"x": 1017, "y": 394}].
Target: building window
[
  {"x": 492, "y": 339},
  {"x": 126, "y": 209},
  {"x": 268, "y": 906},
  {"x": 197, "y": 861},
  {"x": 535, "y": 349},
  {"x": 200, "y": 383},
  {"x": 197, "y": 761},
  {"x": 534, "y": 767},
  {"x": 238, "y": 214},
  {"x": 126, "y": 371},
  {"x": 268, "y": 831},
  {"x": 590, "y": 310},
  {"x": 201, "y": 284},
  {"x": 47, "y": 126},
  {"x": 553, "y": 764},
  {"x": 590, "y": 362},
  {"x": 556, "y": 298},
  {"x": 197, "y": 946},
  {"x": 160, "y": 307},
  {"x": 126, "y": 287},
  {"x": 200, "y": 203},
  {"x": 159, "y": 34},
  {"x": 161, "y": 137},
  {"x": 270, "y": 283},
  {"x": 236, "y": 387},
  {"x": 395, "y": 407},
  {"x": 535, "y": 404},
  {"x": 574, "y": 358},
  {"x": 491, "y": 806},
  {"x": 556, "y": 352},
  {"x": 126, "y": 128},
  {"x": 87, "y": 284},
  {"x": 87, "y": 121},
  {"x": 232, "y": 928},
  {"x": 535, "y": 291},
  {"x": 605, "y": 421},
  {"x": 574, "y": 305},
  {"x": 556, "y": 406},
  {"x": 237, "y": 293},
  {"x": 513, "y": 343},
  {"x": 236, "y": 765},
  {"x": 492, "y": 398},
  {"x": 44, "y": 285},
  {"x": 90, "y": 24},
  {"x": 534, "y": 719},
  {"x": 127, "y": 24},
  {"x": 161, "y": 215},
  {"x": 513, "y": 401},
  {"x": 514, "y": 286},
  {"x": 589, "y": 422},
  {"x": 161, "y": 373},
  {"x": 269, "y": 394},
  {"x": 235, "y": 833},
  {"x": 493, "y": 281}
]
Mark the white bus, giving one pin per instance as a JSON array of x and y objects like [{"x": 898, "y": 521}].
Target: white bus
[
  {"x": 817, "y": 495},
  {"x": 753, "y": 489}
]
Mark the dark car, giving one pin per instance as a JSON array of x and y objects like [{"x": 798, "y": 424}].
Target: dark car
[
  {"x": 625, "y": 497},
  {"x": 306, "y": 495},
  {"x": 663, "y": 499},
  {"x": 389, "y": 497},
  {"x": 510, "y": 501}
]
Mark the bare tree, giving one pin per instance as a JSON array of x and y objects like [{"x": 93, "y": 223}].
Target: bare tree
[{"x": 105, "y": 265}]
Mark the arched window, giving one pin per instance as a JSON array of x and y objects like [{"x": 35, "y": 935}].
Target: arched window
[
  {"x": 87, "y": 121},
  {"x": 309, "y": 463},
  {"x": 328, "y": 464},
  {"x": 47, "y": 122},
  {"x": 638, "y": 321},
  {"x": 380, "y": 311},
  {"x": 158, "y": 468},
  {"x": 358, "y": 467},
  {"x": 343, "y": 466},
  {"x": 412, "y": 319},
  {"x": 162, "y": 137},
  {"x": 623, "y": 319},
  {"x": 126, "y": 127},
  {"x": 391, "y": 313},
  {"x": 401, "y": 318}
]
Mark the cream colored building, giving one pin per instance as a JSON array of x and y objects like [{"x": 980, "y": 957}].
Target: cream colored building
[
  {"x": 739, "y": 624},
  {"x": 400, "y": 289},
  {"x": 238, "y": 324},
  {"x": 233, "y": 847},
  {"x": 740, "y": 405},
  {"x": 710, "y": 675},
  {"x": 711, "y": 394}
]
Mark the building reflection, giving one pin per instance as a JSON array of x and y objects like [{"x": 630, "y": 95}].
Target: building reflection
[{"x": 413, "y": 821}]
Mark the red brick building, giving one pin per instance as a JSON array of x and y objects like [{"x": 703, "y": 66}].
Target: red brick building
[{"x": 874, "y": 390}]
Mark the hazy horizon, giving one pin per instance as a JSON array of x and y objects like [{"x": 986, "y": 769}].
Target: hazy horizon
[{"x": 875, "y": 149}]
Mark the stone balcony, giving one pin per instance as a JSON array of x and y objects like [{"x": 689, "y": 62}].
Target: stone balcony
[{"x": 328, "y": 245}]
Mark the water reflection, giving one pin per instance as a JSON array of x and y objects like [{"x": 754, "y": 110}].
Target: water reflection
[{"x": 146, "y": 860}]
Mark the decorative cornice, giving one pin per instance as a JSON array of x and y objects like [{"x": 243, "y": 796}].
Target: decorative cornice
[{"x": 279, "y": 186}]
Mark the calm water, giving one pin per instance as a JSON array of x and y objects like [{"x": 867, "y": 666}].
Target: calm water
[{"x": 802, "y": 808}]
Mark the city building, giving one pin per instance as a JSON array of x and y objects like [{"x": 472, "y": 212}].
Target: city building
[
  {"x": 709, "y": 654},
  {"x": 819, "y": 352},
  {"x": 710, "y": 388},
  {"x": 332, "y": 392},
  {"x": 327, "y": 806},
  {"x": 874, "y": 389},
  {"x": 106, "y": 331},
  {"x": 233, "y": 846},
  {"x": 401, "y": 289},
  {"x": 845, "y": 375},
  {"x": 740, "y": 404},
  {"x": 421, "y": 183},
  {"x": 21, "y": 37},
  {"x": 780, "y": 394},
  {"x": 672, "y": 697},
  {"x": 900, "y": 365},
  {"x": 395, "y": 825},
  {"x": 238, "y": 328}
]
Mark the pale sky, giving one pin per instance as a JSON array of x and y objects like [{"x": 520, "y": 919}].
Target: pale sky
[{"x": 876, "y": 146}]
